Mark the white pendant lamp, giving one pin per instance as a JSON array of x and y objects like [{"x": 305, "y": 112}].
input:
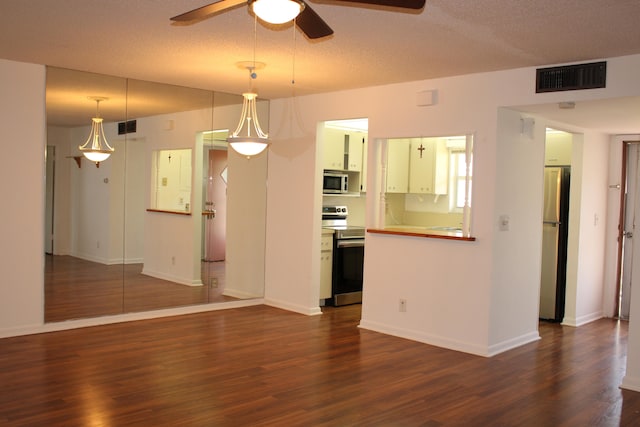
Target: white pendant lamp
[
  {"x": 97, "y": 148},
  {"x": 277, "y": 11},
  {"x": 255, "y": 140}
]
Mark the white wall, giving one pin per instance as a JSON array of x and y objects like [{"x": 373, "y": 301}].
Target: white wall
[
  {"x": 454, "y": 310},
  {"x": 482, "y": 296},
  {"x": 23, "y": 137},
  {"x": 515, "y": 282},
  {"x": 172, "y": 241},
  {"x": 587, "y": 270}
]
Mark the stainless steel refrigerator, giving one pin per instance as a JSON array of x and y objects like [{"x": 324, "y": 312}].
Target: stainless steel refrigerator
[{"x": 555, "y": 229}]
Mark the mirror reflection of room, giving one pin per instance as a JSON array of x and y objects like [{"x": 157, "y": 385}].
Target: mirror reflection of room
[
  {"x": 171, "y": 182},
  {"x": 113, "y": 245}
]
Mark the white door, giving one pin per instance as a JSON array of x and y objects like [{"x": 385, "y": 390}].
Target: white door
[{"x": 632, "y": 187}]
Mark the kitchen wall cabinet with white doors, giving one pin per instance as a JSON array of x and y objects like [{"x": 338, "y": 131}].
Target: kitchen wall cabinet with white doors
[
  {"x": 417, "y": 165},
  {"x": 345, "y": 150},
  {"x": 428, "y": 166},
  {"x": 398, "y": 165}
]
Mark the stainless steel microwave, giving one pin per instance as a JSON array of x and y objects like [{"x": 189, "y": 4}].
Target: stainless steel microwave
[{"x": 335, "y": 182}]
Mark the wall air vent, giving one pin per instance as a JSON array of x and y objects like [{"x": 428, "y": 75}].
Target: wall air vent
[
  {"x": 130, "y": 126},
  {"x": 571, "y": 77}
]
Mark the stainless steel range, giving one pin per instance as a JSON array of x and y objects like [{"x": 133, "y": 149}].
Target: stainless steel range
[{"x": 348, "y": 256}]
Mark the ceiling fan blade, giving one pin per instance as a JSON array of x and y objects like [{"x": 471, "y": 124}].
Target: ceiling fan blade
[
  {"x": 311, "y": 24},
  {"x": 405, "y": 4},
  {"x": 206, "y": 11}
]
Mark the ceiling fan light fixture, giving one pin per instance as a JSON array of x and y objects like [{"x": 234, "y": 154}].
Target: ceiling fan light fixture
[
  {"x": 277, "y": 11},
  {"x": 96, "y": 148},
  {"x": 251, "y": 144}
]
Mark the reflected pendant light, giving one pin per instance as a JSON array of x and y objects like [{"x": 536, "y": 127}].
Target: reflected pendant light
[
  {"x": 253, "y": 143},
  {"x": 277, "y": 11},
  {"x": 97, "y": 148}
]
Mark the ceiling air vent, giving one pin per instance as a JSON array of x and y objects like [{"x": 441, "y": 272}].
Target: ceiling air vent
[
  {"x": 129, "y": 126},
  {"x": 571, "y": 77}
]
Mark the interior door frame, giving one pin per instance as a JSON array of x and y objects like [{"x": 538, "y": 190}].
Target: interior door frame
[
  {"x": 50, "y": 197},
  {"x": 621, "y": 220}
]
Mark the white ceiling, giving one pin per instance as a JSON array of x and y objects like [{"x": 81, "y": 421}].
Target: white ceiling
[{"x": 371, "y": 46}]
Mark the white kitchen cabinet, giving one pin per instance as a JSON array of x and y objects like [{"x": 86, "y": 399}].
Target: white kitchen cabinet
[
  {"x": 333, "y": 149},
  {"x": 355, "y": 141},
  {"x": 342, "y": 150},
  {"x": 398, "y": 166},
  {"x": 326, "y": 264},
  {"x": 557, "y": 151},
  {"x": 428, "y": 166}
]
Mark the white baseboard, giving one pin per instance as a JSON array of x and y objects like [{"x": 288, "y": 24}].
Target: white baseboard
[
  {"x": 171, "y": 278},
  {"x": 237, "y": 293},
  {"x": 106, "y": 261},
  {"x": 309, "y": 311},
  {"x": 630, "y": 383},
  {"x": 419, "y": 336},
  {"x": 513, "y": 343},
  {"x": 582, "y": 320},
  {"x": 128, "y": 317}
]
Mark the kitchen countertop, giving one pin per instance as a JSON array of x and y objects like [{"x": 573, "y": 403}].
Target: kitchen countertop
[{"x": 449, "y": 233}]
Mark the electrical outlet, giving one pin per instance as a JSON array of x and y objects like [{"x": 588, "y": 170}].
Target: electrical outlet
[
  {"x": 402, "y": 305},
  {"x": 213, "y": 282},
  {"x": 173, "y": 260}
]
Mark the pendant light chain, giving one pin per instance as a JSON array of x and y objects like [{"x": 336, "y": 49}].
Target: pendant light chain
[{"x": 293, "y": 62}]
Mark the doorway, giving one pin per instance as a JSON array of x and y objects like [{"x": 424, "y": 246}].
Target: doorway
[
  {"x": 214, "y": 218},
  {"x": 626, "y": 229},
  {"x": 214, "y": 193},
  {"x": 555, "y": 226}
]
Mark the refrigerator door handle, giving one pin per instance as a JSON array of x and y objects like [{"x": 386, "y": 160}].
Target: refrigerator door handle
[{"x": 554, "y": 223}]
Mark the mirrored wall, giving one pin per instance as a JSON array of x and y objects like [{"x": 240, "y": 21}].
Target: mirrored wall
[{"x": 171, "y": 218}]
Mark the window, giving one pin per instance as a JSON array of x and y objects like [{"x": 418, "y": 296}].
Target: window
[
  {"x": 459, "y": 182},
  {"x": 427, "y": 183}
]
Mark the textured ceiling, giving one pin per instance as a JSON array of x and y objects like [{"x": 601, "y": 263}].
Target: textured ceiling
[{"x": 371, "y": 46}]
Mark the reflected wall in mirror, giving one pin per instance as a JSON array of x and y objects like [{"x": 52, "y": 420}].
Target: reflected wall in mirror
[
  {"x": 171, "y": 180},
  {"x": 107, "y": 252},
  {"x": 427, "y": 183}
]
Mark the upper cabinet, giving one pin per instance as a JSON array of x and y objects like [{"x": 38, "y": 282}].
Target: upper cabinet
[
  {"x": 344, "y": 148},
  {"x": 558, "y": 147},
  {"x": 428, "y": 166},
  {"x": 417, "y": 165},
  {"x": 398, "y": 166},
  {"x": 333, "y": 149},
  {"x": 354, "y": 143}
]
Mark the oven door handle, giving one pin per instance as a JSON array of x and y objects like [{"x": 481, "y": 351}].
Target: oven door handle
[{"x": 350, "y": 243}]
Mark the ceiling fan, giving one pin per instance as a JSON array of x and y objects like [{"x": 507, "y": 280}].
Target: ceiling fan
[{"x": 307, "y": 19}]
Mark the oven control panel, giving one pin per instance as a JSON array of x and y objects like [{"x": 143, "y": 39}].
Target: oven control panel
[{"x": 334, "y": 211}]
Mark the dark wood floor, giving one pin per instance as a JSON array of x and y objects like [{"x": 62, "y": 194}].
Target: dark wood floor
[
  {"x": 260, "y": 366},
  {"x": 76, "y": 288}
]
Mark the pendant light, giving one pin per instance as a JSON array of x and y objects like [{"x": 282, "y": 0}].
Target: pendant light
[
  {"x": 277, "y": 11},
  {"x": 97, "y": 148},
  {"x": 252, "y": 143},
  {"x": 255, "y": 140}
]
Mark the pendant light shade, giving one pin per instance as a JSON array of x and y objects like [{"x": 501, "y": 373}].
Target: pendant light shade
[
  {"x": 97, "y": 148},
  {"x": 252, "y": 143},
  {"x": 277, "y": 11}
]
